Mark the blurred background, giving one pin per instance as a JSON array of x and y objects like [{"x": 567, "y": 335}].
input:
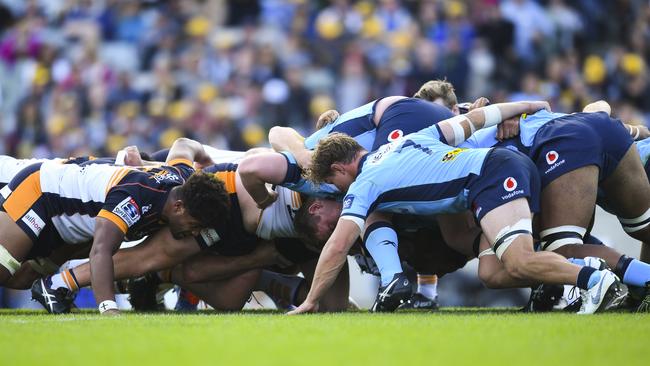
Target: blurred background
[{"x": 81, "y": 77}]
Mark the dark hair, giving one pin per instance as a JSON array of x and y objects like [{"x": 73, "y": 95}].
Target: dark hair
[{"x": 206, "y": 199}]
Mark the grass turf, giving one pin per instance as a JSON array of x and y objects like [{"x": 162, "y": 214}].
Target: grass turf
[{"x": 450, "y": 337}]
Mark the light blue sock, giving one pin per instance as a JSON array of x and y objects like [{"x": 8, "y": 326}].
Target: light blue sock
[
  {"x": 382, "y": 245},
  {"x": 637, "y": 273},
  {"x": 594, "y": 278},
  {"x": 578, "y": 261}
]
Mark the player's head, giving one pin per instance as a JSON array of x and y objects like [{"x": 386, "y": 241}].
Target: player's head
[
  {"x": 331, "y": 161},
  {"x": 201, "y": 202},
  {"x": 439, "y": 91},
  {"x": 317, "y": 218}
]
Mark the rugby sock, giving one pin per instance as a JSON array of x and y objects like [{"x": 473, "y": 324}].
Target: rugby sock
[
  {"x": 382, "y": 246},
  {"x": 587, "y": 277},
  {"x": 281, "y": 288},
  {"x": 632, "y": 271},
  {"x": 578, "y": 261},
  {"x": 428, "y": 285},
  {"x": 65, "y": 279}
]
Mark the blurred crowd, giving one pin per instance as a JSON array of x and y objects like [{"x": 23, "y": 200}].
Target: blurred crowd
[{"x": 80, "y": 77}]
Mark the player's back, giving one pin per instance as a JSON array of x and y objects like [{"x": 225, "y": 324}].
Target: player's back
[
  {"x": 357, "y": 123},
  {"x": 417, "y": 174}
]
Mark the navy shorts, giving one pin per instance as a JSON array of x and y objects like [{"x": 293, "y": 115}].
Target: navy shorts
[
  {"x": 407, "y": 116},
  {"x": 506, "y": 176},
  {"x": 578, "y": 140}
]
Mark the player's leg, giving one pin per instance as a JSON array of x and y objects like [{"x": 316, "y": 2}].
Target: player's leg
[
  {"x": 14, "y": 247},
  {"x": 226, "y": 294},
  {"x": 336, "y": 299},
  {"x": 628, "y": 193},
  {"x": 22, "y": 219},
  {"x": 158, "y": 251}
]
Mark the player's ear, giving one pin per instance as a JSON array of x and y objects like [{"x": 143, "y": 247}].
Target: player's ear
[
  {"x": 179, "y": 207},
  {"x": 336, "y": 168},
  {"x": 314, "y": 207}
]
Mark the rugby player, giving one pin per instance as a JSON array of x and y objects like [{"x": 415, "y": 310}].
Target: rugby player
[
  {"x": 49, "y": 204},
  {"x": 494, "y": 183},
  {"x": 576, "y": 155},
  {"x": 236, "y": 238}
]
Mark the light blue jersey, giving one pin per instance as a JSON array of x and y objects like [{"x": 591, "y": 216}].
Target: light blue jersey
[
  {"x": 528, "y": 127},
  {"x": 417, "y": 174},
  {"x": 357, "y": 123}
]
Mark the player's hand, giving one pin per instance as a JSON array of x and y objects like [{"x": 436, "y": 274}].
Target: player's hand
[
  {"x": 132, "y": 157},
  {"x": 644, "y": 133},
  {"x": 326, "y": 118},
  {"x": 480, "y": 102},
  {"x": 508, "y": 128},
  {"x": 305, "y": 307},
  {"x": 268, "y": 201},
  {"x": 112, "y": 312},
  {"x": 538, "y": 106},
  {"x": 304, "y": 159}
]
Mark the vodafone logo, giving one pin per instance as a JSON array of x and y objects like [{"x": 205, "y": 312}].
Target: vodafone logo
[
  {"x": 395, "y": 134},
  {"x": 510, "y": 184},
  {"x": 551, "y": 157}
]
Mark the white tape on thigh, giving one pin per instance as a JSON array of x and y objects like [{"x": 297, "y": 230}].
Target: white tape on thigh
[
  {"x": 557, "y": 237},
  {"x": 487, "y": 251},
  {"x": 8, "y": 261},
  {"x": 508, "y": 234},
  {"x": 492, "y": 116},
  {"x": 636, "y": 224}
]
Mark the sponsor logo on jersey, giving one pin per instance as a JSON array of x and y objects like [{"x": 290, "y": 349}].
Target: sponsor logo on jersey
[
  {"x": 165, "y": 175},
  {"x": 146, "y": 208},
  {"x": 551, "y": 157},
  {"x": 395, "y": 134},
  {"x": 34, "y": 222},
  {"x": 510, "y": 184},
  {"x": 451, "y": 155},
  {"x": 128, "y": 211},
  {"x": 347, "y": 201}
]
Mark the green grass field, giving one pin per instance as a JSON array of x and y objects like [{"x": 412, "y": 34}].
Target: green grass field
[{"x": 450, "y": 337}]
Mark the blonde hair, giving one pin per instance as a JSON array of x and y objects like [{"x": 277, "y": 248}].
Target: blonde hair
[
  {"x": 335, "y": 148},
  {"x": 434, "y": 89}
]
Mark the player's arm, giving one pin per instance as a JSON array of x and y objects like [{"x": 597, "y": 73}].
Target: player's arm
[
  {"x": 330, "y": 262},
  {"x": 288, "y": 139},
  {"x": 637, "y": 132},
  {"x": 458, "y": 128},
  {"x": 257, "y": 170},
  {"x": 187, "y": 149},
  {"x": 107, "y": 239}
]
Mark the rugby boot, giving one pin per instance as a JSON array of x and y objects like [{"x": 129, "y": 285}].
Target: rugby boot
[
  {"x": 419, "y": 302},
  {"x": 55, "y": 301},
  {"x": 543, "y": 298},
  {"x": 142, "y": 292},
  {"x": 604, "y": 295},
  {"x": 644, "y": 306},
  {"x": 394, "y": 294}
]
